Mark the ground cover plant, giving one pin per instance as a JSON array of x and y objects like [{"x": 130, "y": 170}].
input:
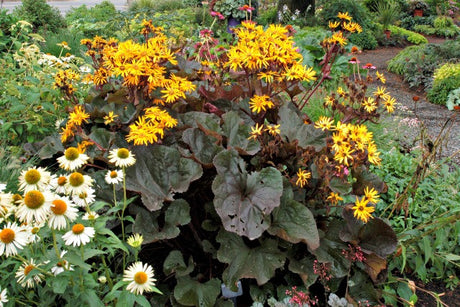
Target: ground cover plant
[{"x": 239, "y": 171}]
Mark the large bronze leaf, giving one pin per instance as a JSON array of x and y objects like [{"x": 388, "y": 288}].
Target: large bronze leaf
[{"x": 244, "y": 201}]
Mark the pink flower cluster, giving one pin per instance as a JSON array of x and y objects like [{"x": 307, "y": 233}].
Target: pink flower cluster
[
  {"x": 300, "y": 298},
  {"x": 217, "y": 14},
  {"x": 354, "y": 253}
]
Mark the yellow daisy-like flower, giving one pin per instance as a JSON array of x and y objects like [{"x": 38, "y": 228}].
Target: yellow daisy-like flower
[
  {"x": 369, "y": 105},
  {"x": 256, "y": 131},
  {"x": 333, "y": 25},
  {"x": 109, "y": 118},
  {"x": 260, "y": 103},
  {"x": 361, "y": 210},
  {"x": 324, "y": 123},
  {"x": 380, "y": 92},
  {"x": 302, "y": 177},
  {"x": 371, "y": 195},
  {"x": 372, "y": 154},
  {"x": 381, "y": 77},
  {"x": 334, "y": 198},
  {"x": 344, "y": 16},
  {"x": 389, "y": 103},
  {"x": 329, "y": 101},
  {"x": 341, "y": 92},
  {"x": 135, "y": 240},
  {"x": 273, "y": 129},
  {"x": 78, "y": 116}
]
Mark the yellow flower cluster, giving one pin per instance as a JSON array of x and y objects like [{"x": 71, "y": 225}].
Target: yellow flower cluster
[
  {"x": 150, "y": 128},
  {"x": 270, "y": 54},
  {"x": 63, "y": 80},
  {"x": 347, "y": 27},
  {"x": 76, "y": 118},
  {"x": 361, "y": 210},
  {"x": 350, "y": 142},
  {"x": 260, "y": 103}
]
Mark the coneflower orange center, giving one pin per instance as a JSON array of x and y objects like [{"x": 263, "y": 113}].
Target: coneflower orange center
[
  {"x": 140, "y": 278},
  {"x": 113, "y": 174},
  {"x": 59, "y": 207},
  {"x": 76, "y": 179},
  {"x": 123, "y": 153},
  {"x": 62, "y": 180},
  {"x": 78, "y": 229},
  {"x": 34, "y": 199},
  {"x": 7, "y": 235},
  {"x": 16, "y": 197},
  {"x": 32, "y": 176},
  {"x": 71, "y": 153},
  {"x": 28, "y": 268}
]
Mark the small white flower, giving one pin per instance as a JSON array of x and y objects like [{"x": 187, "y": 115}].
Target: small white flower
[
  {"x": 35, "y": 178},
  {"x": 114, "y": 176},
  {"x": 62, "y": 209},
  {"x": 72, "y": 159},
  {"x": 121, "y": 157},
  {"x": 62, "y": 265},
  {"x": 79, "y": 235},
  {"x": 12, "y": 238},
  {"x": 35, "y": 206},
  {"x": 140, "y": 277},
  {"x": 32, "y": 232},
  {"x": 24, "y": 270},
  {"x": 85, "y": 198},
  {"x": 3, "y": 297},
  {"x": 59, "y": 184},
  {"x": 90, "y": 216}
]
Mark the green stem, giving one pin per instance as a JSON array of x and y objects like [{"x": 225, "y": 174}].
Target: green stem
[
  {"x": 55, "y": 244},
  {"x": 123, "y": 215},
  {"x": 107, "y": 273}
]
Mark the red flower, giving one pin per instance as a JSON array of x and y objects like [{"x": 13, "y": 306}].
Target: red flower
[{"x": 246, "y": 8}]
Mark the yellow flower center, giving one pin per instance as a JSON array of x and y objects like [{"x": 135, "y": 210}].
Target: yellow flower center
[
  {"x": 35, "y": 230},
  {"x": 61, "y": 263},
  {"x": 78, "y": 229},
  {"x": 16, "y": 197},
  {"x": 113, "y": 174},
  {"x": 32, "y": 176},
  {"x": 76, "y": 179},
  {"x": 61, "y": 181},
  {"x": 59, "y": 207},
  {"x": 28, "y": 268},
  {"x": 123, "y": 153},
  {"x": 71, "y": 153},
  {"x": 34, "y": 199},
  {"x": 82, "y": 195},
  {"x": 7, "y": 235},
  {"x": 140, "y": 278}
]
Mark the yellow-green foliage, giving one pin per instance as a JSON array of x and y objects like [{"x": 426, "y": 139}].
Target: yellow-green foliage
[
  {"x": 445, "y": 79},
  {"x": 411, "y": 37}
]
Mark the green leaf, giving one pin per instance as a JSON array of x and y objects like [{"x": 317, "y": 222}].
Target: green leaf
[
  {"x": 159, "y": 173},
  {"x": 91, "y": 299},
  {"x": 126, "y": 298},
  {"x": 178, "y": 213},
  {"x": 293, "y": 128},
  {"x": 202, "y": 146},
  {"x": 303, "y": 267},
  {"x": 294, "y": 223},
  {"x": 60, "y": 284},
  {"x": 244, "y": 262},
  {"x": 189, "y": 292},
  {"x": 237, "y": 132},
  {"x": 339, "y": 186},
  {"x": 244, "y": 201},
  {"x": 208, "y": 121},
  {"x": 47, "y": 148},
  {"x": 174, "y": 263},
  {"x": 365, "y": 178},
  {"x": 102, "y": 136}
]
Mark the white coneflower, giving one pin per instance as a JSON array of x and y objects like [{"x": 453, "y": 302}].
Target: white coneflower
[
  {"x": 24, "y": 270},
  {"x": 12, "y": 238},
  {"x": 72, "y": 159},
  {"x": 35, "y": 178},
  {"x": 90, "y": 216},
  {"x": 32, "y": 231},
  {"x": 59, "y": 184},
  {"x": 85, "y": 198},
  {"x": 114, "y": 176},
  {"x": 78, "y": 183},
  {"x": 62, "y": 209},
  {"x": 135, "y": 240},
  {"x": 3, "y": 297},
  {"x": 79, "y": 235},
  {"x": 34, "y": 207},
  {"x": 62, "y": 265},
  {"x": 140, "y": 277},
  {"x": 121, "y": 157},
  {"x": 6, "y": 204}
]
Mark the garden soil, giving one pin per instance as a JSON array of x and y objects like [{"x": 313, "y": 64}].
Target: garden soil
[
  {"x": 433, "y": 117},
  {"x": 403, "y": 122}
]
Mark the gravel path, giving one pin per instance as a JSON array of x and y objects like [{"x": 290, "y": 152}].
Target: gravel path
[{"x": 409, "y": 116}]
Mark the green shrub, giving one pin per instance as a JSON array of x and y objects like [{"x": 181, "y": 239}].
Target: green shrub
[
  {"x": 446, "y": 79},
  {"x": 71, "y": 38},
  {"x": 443, "y": 22},
  {"x": 366, "y": 39},
  {"x": 268, "y": 16},
  {"x": 425, "y": 29},
  {"x": 40, "y": 14},
  {"x": 410, "y": 36},
  {"x": 142, "y": 5}
]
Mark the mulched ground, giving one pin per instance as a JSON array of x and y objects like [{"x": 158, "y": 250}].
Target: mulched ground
[{"x": 408, "y": 113}]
